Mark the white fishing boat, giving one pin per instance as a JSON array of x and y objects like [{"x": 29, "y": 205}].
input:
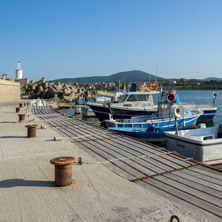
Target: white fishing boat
[{"x": 202, "y": 144}]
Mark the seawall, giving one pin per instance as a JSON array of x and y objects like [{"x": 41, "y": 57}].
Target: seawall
[{"x": 9, "y": 91}]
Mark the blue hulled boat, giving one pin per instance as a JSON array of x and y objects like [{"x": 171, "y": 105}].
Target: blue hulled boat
[{"x": 151, "y": 128}]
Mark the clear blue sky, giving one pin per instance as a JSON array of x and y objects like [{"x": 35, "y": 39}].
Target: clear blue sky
[{"x": 74, "y": 38}]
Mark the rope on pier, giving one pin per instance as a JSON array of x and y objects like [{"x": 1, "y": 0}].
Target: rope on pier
[
  {"x": 56, "y": 138},
  {"x": 72, "y": 126},
  {"x": 49, "y": 120},
  {"x": 130, "y": 158},
  {"x": 103, "y": 139}
]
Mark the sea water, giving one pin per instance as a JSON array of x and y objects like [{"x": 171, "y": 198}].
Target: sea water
[{"x": 203, "y": 97}]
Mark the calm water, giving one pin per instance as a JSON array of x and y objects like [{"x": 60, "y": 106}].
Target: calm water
[
  {"x": 197, "y": 97},
  {"x": 203, "y": 97}
]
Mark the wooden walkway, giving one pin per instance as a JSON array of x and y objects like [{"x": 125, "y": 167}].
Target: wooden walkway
[{"x": 152, "y": 167}]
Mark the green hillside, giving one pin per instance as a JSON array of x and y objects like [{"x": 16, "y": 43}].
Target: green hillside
[{"x": 128, "y": 76}]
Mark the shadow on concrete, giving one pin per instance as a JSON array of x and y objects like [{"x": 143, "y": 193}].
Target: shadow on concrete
[
  {"x": 25, "y": 183},
  {"x": 11, "y": 137}
]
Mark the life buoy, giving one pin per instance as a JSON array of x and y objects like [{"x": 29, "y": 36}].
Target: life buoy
[
  {"x": 170, "y": 97},
  {"x": 153, "y": 85}
]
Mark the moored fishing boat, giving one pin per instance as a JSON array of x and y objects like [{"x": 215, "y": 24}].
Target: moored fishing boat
[
  {"x": 202, "y": 144},
  {"x": 134, "y": 103},
  {"x": 139, "y": 103},
  {"x": 151, "y": 128}
]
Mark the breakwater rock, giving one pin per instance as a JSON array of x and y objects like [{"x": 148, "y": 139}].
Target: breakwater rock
[{"x": 59, "y": 91}]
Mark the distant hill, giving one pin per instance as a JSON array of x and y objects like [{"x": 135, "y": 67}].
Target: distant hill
[
  {"x": 128, "y": 76},
  {"x": 211, "y": 78}
]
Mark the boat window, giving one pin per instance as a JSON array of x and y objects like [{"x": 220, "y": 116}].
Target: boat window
[
  {"x": 124, "y": 97},
  {"x": 132, "y": 98},
  {"x": 139, "y": 98}
]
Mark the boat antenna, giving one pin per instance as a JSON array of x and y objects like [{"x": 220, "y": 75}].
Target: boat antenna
[
  {"x": 156, "y": 72},
  {"x": 124, "y": 89}
]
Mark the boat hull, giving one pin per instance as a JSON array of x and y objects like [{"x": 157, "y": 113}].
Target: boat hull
[
  {"x": 207, "y": 116},
  {"x": 206, "y": 148},
  {"x": 103, "y": 113},
  {"x": 152, "y": 131}
]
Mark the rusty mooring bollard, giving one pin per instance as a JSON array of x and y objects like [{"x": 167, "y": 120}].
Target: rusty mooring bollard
[
  {"x": 31, "y": 130},
  {"x": 63, "y": 170},
  {"x": 21, "y": 104},
  {"x": 21, "y": 117},
  {"x": 17, "y": 109}
]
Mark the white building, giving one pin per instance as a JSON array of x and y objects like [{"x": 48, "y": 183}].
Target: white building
[{"x": 19, "y": 71}]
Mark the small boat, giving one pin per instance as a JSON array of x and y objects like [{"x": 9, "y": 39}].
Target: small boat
[
  {"x": 202, "y": 144},
  {"x": 152, "y": 128},
  {"x": 87, "y": 111},
  {"x": 132, "y": 104},
  {"x": 77, "y": 109},
  {"x": 79, "y": 101}
]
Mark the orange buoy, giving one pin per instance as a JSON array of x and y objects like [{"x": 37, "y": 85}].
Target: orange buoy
[
  {"x": 170, "y": 97},
  {"x": 153, "y": 85}
]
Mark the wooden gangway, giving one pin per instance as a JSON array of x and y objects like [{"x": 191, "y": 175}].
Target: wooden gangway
[{"x": 167, "y": 173}]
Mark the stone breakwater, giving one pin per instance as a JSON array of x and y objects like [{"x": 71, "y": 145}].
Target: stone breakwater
[
  {"x": 58, "y": 91},
  {"x": 57, "y": 94}
]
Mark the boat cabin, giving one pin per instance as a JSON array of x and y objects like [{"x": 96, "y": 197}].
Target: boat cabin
[{"x": 140, "y": 99}]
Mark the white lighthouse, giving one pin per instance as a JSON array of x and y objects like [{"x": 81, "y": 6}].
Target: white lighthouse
[{"x": 19, "y": 71}]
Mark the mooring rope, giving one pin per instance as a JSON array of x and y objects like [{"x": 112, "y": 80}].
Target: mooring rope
[
  {"x": 56, "y": 138},
  {"x": 128, "y": 158}
]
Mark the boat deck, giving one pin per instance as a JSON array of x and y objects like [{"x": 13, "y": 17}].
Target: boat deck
[{"x": 154, "y": 168}]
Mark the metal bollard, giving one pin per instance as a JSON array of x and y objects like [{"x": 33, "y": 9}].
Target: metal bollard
[
  {"x": 31, "y": 130},
  {"x": 63, "y": 170},
  {"x": 174, "y": 217},
  {"x": 17, "y": 109},
  {"x": 21, "y": 117}
]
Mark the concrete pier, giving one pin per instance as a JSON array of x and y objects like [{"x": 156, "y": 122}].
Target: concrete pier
[{"x": 100, "y": 191}]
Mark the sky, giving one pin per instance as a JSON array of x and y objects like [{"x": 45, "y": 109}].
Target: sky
[{"x": 80, "y": 38}]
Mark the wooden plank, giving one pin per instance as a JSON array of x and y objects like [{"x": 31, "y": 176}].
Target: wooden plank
[
  {"x": 217, "y": 195},
  {"x": 173, "y": 158},
  {"x": 150, "y": 162},
  {"x": 160, "y": 185},
  {"x": 108, "y": 156},
  {"x": 201, "y": 180},
  {"x": 191, "y": 191},
  {"x": 210, "y": 172}
]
